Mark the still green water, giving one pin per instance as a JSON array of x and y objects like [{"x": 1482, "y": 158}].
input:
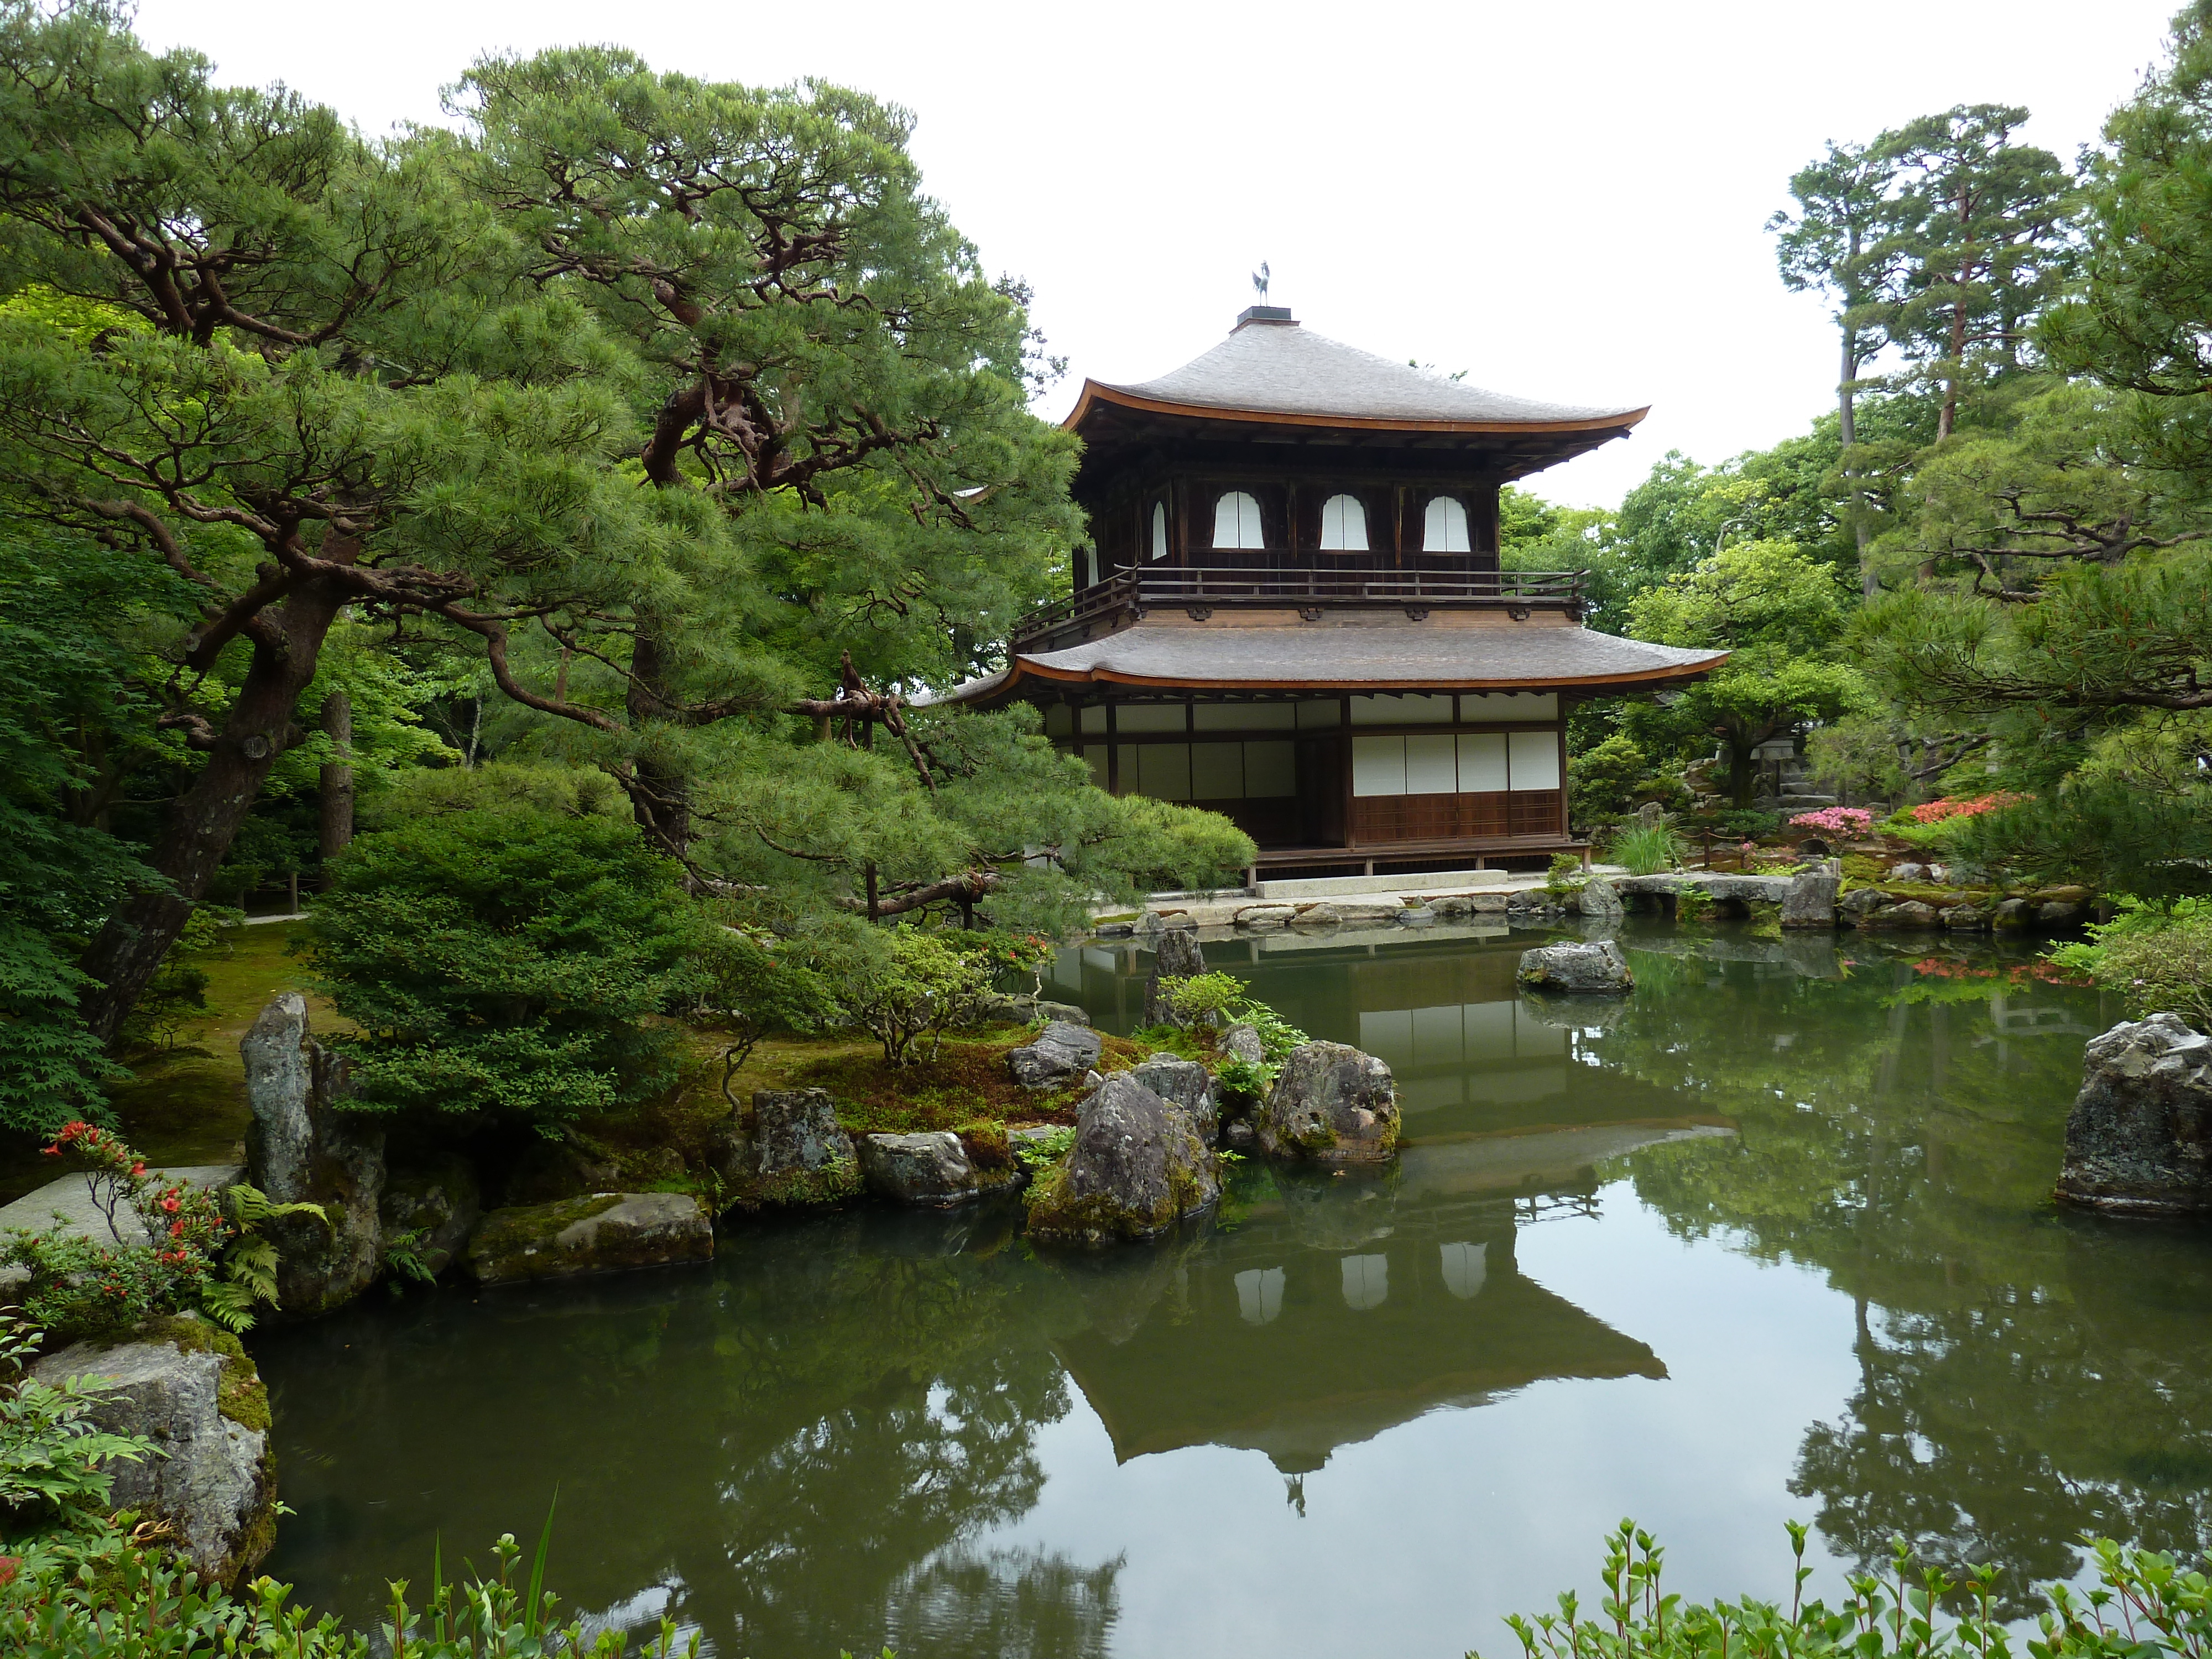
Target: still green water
[{"x": 1769, "y": 1239}]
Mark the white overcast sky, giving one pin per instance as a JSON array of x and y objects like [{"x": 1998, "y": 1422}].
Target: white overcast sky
[{"x": 1565, "y": 200}]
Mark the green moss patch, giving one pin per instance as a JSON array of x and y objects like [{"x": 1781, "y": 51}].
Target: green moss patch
[
  {"x": 505, "y": 1232},
  {"x": 967, "y": 1084}
]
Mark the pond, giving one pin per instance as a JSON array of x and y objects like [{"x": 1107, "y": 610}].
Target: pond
[{"x": 1769, "y": 1241}]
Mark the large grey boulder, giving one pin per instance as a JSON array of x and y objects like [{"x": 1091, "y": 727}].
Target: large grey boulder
[
  {"x": 2013, "y": 915},
  {"x": 1811, "y": 900},
  {"x": 1594, "y": 967},
  {"x": 799, "y": 1152},
  {"x": 303, "y": 1147},
  {"x": 1137, "y": 1168},
  {"x": 1332, "y": 1103},
  {"x": 1321, "y": 913},
  {"x": 1187, "y": 1085},
  {"x": 190, "y": 1388},
  {"x": 430, "y": 1205},
  {"x": 2139, "y": 1138},
  {"x": 1060, "y": 1054},
  {"x": 1176, "y": 955},
  {"x": 1266, "y": 915},
  {"x": 934, "y": 1170},
  {"x": 1599, "y": 898},
  {"x": 606, "y": 1233}
]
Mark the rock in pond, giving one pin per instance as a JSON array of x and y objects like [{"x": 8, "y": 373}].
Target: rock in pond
[
  {"x": 2139, "y": 1138},
  {"x": 1137, "y": 1168},
  {"x": 1060, "y": 1054},
  {"x": 189, "y": 1388},
  {"x": 429, "y": 1206},
  {"x": 1266, "y": 915},
  {"x": 1860, "y": 901},
  {"x": 303, "y": 1147},
  {"x": 1811, "y": 900},
  {"x": 1332, "y": 1103},
  {"x": 1911, "y": 913},
  {"x": 1599, "y": 898},
  {"x": 1596, "y": 968},
  {"x": 1321, "y": 913},
  {"x": 1186, "y": 1085},
  {"x": 798, "y": 1152},
  {"x": 935, "y": 1170},
  {"x": 1174, "y": 956},
  {"x": 2013, "y": 915},
  {"x": 605, "y": 1233}
]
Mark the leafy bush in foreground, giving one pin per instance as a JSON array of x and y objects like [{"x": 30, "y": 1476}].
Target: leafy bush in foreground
[
  {"x": 2157, "y": 955},
  {"x": 2145, "y": 1605}
]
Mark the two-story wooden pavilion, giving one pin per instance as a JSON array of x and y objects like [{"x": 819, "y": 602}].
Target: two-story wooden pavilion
[{"x": 1292, "y": 612}]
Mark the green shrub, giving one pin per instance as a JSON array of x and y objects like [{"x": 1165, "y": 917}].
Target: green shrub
[
  {"x": 503, "y": 960},
  {"x": 1278, "y": 1037},
  {"x": 2146, "y": 1606},
  {"x": 2157, "y": 955},
  {"x": 1040, "y": 1152},
  {"x": 1244, "y": 1081},
  {"x": 926, "y": 985},
  {"x": 750, "y": 985},
  {"x": 1646, "y": 849},
  {"x": 207, "y": 1255},
  {"x": 1200, "y": 996},
  {"x": 56, "y": 1465}
]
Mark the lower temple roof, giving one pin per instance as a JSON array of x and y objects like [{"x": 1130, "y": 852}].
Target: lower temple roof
[{"x": 1300, "y": 656}]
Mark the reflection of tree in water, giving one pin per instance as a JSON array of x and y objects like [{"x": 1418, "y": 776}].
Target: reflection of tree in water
[
  {"x": 2024, "y": 1375},
  {"x": 793, "y": 1454},
  {"x": 1010, "y": 1604}
]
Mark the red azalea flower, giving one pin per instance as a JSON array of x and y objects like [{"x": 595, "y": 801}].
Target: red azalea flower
[
  {"x": 170, "y": 1203},
  {"x": 139, "y": 1169}
]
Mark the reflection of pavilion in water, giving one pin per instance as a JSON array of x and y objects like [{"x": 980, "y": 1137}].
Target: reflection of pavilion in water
[
  {"x": 1339, "y": 1308},
  {"x": 1334, "y": 1311}
]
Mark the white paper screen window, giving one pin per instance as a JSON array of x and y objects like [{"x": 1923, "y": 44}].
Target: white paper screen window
[
  {"x": 1237, "y": 521},
  {"x": 1482, "y": 761},
  {"x": 1379, "y": 766},
  {"x": 1094, "y": 757},
  {"x": 1159, "y": 530},
  {"x": 1217, "y": 771},
  {"x": 1444, "y": 527},
  {"x": 1429, "y": 766},
  {"x": 1535, "y": 759},
  {"x": 1343, "y": 525},
  {"x": 1271, "y": 770}
]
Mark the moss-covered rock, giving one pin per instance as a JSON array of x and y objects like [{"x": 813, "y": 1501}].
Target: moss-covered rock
[
  {"x": 190, "y": 1388},
  {"x": 792, "y": 1154},
  {"x": 1332, "y": 1103},
  {"x": 1136, "y": 1168},
  {"x": 606, "y": 1232}
]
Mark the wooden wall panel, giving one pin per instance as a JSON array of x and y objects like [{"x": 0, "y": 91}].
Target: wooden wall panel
[{"x": 1378, "y": 818}]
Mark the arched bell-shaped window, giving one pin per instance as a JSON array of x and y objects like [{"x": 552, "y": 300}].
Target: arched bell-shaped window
[
  {"x": 1444, "y": 527},
  {"x": 1343, "y": 525},
  {"x": 1159, "y": 530},
  {"x": 1237, "y": 521}
]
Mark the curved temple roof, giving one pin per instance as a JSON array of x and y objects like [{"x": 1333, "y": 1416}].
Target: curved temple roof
[
  {"x": 1276, "y": 370},
  {"x": 1301, "y": 657}
]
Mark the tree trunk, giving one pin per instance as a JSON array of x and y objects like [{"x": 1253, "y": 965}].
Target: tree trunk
[
  {"x": 662, "y": 800},
  {"x": 337, "y": 780},
  {"x": 205, "y": 819},
  {"x": 1848, "y": 430}
]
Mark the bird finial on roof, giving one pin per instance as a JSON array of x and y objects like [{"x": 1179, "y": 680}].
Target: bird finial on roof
[{"x": 1259, "y": 282}]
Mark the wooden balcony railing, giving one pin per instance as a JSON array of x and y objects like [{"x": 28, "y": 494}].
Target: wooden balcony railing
[{"x": 1207, "y": 587}]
